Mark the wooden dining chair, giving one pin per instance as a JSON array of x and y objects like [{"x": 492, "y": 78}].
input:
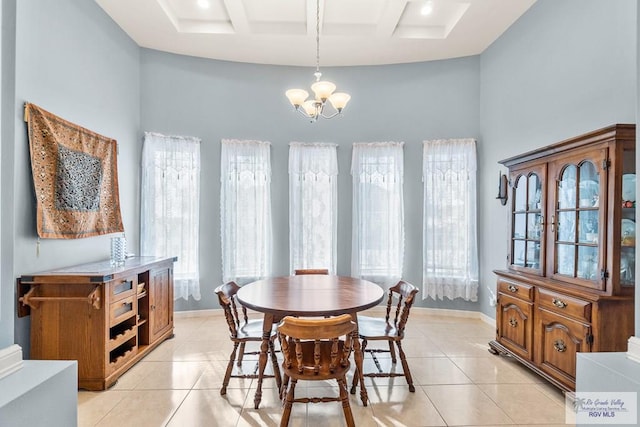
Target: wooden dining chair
[
  {"x": 315, "y": 350},
  {"x": 241, "y": 331},
  {"x": 300, "y": 271},
  {"x": 390, "y": 329}
]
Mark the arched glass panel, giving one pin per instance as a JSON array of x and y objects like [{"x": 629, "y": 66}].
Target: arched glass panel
[
  {"x": 567, "y": 188},
  {"x": 520, "y": 194},
  {"x": 589, "y": 187},
  {"x": 535, "y": 191}
]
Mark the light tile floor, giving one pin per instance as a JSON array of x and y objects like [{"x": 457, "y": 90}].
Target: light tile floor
[{"x": 458, "y": 383}]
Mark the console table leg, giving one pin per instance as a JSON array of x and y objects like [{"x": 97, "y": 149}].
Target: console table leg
[
  {"x": 262, "y": 361},
  {"x": 358, "y": 357}
]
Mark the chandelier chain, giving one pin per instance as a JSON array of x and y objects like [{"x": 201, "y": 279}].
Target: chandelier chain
[
  {"x": 324, "y": 96},
  {"x": 317, "y": 36}
]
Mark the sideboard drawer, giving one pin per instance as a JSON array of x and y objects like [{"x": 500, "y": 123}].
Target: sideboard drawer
[
  {"x": 565, "y": 305},
  {"x": 517, "y": 289},
  {"x": 122, "y": 288},
  {"x": 122, "y": 310}
]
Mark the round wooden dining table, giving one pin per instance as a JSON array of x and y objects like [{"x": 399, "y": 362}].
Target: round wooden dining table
[{"x": 308, "y": 295}]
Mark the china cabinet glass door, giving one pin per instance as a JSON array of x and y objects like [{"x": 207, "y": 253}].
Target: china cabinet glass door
[
  {"x": 627, "y": 219},
  {"x": 527, "y": 249},
  {"x": 577, "y": 222}
]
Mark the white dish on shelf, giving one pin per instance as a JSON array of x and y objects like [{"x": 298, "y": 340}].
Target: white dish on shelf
[
  {"x": 627, "y": 265},
  {"x": 629, "y": 187},
  {"x": 628, "y": 230}
]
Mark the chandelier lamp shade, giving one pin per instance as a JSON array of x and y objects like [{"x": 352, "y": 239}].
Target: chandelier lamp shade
[{"x": 324, "y": 91}]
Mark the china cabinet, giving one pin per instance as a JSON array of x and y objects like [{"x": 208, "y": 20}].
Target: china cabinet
[
  {"x": 570, "y": 277},
  {"x": 105, "y": 317}
]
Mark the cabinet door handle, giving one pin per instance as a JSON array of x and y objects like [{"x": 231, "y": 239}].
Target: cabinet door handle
[
  {"x": 513, "y": 322},
  {"x": 553, "y": 223},
  {"x": 512, "y": 288},
  {"x": 559, "y": 346},
  {"x": 559, "y": 303}
]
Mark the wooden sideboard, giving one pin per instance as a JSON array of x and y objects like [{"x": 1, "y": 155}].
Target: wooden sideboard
[{"x": 107, "y": 318}]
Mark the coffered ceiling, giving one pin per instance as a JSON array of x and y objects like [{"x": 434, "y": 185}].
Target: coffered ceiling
[{"x": 283, "y": 32}]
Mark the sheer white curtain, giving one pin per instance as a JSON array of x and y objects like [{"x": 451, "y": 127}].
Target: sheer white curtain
[
  {"x": 313, "y": 201},
  {"x": 245, "y": 210},
  {"x": 170, "y": 206},
  {"x": 450, "y": 267},
  {"x": 378, "y": 211}
]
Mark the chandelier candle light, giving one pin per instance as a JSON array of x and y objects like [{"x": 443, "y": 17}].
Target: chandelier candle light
[{"x": 323, "y": 90}]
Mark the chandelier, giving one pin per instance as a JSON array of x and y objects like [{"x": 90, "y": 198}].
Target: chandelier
[{"x": 322, "y": 89}]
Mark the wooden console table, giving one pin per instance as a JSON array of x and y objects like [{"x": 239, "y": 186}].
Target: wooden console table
[{"x": 99, "y": 315}]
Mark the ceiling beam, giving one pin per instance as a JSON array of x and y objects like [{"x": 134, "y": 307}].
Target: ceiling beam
[
  {"x": 390, "y": 17},
  {"x": 238, "y": 16},
  {"x": 164, "y": 5}
]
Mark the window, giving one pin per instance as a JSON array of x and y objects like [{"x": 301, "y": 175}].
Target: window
[
  {"x": 245, "y": 210},
  {"x": 313, "y": 169},
  {"x": 378, "y": 212},
  {"x": 169, "y": 207},
  {"x": 450, "y": 267}
]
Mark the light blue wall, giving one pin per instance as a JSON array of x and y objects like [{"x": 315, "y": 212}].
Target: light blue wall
[
  {"x": 74, "y": 61},
  {"x": 215, "y": 100},
  {"x": 7, "y": 89},
  {"x": 564, "y": 68}
]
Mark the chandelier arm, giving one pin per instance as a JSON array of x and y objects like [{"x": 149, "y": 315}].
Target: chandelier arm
[
  {"x": 303, "y": 113},
  {"x": 331, "y": 116}
]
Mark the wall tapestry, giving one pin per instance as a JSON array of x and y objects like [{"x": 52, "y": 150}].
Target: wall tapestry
[{"x": 75, "y": 176}]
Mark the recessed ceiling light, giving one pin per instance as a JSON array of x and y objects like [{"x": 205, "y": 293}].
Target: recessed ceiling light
[
  {"x": 427, "y": 8},
  {"x": 203, "y": 4}
]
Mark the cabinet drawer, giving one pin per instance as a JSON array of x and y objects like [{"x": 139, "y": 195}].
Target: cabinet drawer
[
  {"x": 517, "y": 289},
  {"x": 122, "y": 310},
  {"x": 565, "y": 305},
  {"x": 122, "y": 288}
]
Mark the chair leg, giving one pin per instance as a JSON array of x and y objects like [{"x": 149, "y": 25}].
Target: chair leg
[
  {"x": 241, "y": 355},
  {"x": 284, "y": 422},
  {"x": 227, "y": 374},
  {"x": 283, "y": 388},
  {"x": 344, "y": 398},
  {"x": 405, "y": 367},
  {"x": 392, "y": 351},
  {"x": 355, "y": 381}
]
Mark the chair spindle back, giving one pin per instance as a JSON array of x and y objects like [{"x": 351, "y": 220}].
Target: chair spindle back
[
  {"x": 227, "y": 299},
  {"x": 404, "y": 293},
  {"x": 296, "y": 332}
]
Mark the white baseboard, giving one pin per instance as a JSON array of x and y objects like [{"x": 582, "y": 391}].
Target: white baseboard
[
  {"x": 633, "y": 349},
  {"x": 487, "y": 319},
  {"x": 10, "y": 360},
  {"x": 456, "y": 313},
  {"x": 197, "y": 313}
]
